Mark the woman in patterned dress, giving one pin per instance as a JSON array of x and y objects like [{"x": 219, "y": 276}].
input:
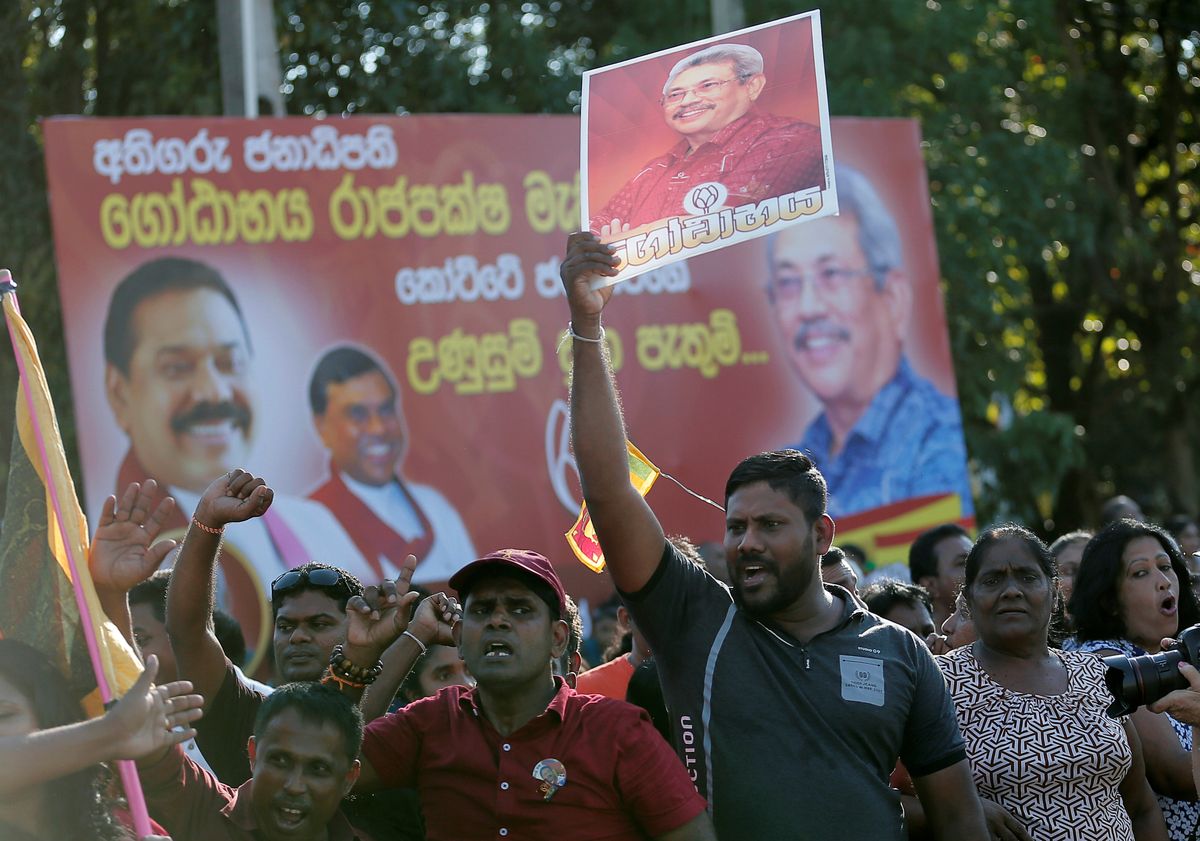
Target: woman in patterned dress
[
  {"x": 1040, "y": 744},
  {"x": 1132, "y": 590}
]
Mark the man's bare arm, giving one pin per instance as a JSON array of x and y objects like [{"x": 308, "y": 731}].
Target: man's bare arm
[
  {"x": 432, "y": 625},
  {"x": 232, "y": 498},
  {"x": 629, "y": 533},
  {"x": 953, "y": 810}
]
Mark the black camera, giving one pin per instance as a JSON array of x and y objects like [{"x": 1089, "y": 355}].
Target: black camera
[{"x": 1136, "y": 681}]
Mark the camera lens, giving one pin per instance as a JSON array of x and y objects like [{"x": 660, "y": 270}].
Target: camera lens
[{"x": 1136, "y": 681}]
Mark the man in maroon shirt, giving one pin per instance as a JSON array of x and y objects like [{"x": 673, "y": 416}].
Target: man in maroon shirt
[
  {"x": 709, "y": 100},
  {"x": 304, "y": 755},
  {"x": 521, "y": 754}
]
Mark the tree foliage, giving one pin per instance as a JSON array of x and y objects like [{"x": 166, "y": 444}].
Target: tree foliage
[{"x": 1061, "y": 141}]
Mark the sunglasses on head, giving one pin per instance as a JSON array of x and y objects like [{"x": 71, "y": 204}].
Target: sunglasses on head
[{"x": 319, "y": 577}]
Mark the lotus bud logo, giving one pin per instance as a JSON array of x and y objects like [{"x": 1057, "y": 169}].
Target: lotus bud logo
[{"x": 705, "y": 198}]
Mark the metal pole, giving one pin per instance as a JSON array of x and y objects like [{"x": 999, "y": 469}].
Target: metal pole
[
  {"x": 727, "y": 15},
  {"x": 249, "y": 89}
]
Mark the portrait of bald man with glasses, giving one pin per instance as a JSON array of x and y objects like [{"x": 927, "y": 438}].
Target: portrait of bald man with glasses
[
  {"x": 842, "y": 301},
  {"x": 709, "y": 99}
]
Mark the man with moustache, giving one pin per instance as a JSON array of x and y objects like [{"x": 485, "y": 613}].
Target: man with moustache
[
  {"x": 842, "y": 301},
  {"x": 308, "y": 609},
  {"x": 782, "y": 679},
  {"x": 177, "y": 375},
  {"x": 357, "y": 414},
  {"x": 709, "y": 100}
]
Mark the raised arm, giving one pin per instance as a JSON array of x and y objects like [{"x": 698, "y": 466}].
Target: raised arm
[
  {"x": 377, "y": 622},
  {"x": 232, "y": 498},
  {"x": 377, "y": 628},
  {"x": 432, "y": 624},
  {"x": 141, "y": 724},
  {"x": 628, "y": 531},
  {"x": 124, "y": 552}
]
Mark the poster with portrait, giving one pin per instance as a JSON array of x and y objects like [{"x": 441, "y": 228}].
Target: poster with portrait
[
  {"x": 367, "y": 313},
  {"x": 698, "y": 147}
]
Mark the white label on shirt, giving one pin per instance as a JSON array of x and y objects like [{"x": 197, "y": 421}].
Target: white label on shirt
[{"x": 862, "y": 680}]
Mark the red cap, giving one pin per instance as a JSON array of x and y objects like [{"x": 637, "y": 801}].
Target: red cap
[{"x": 525, "y": 560}]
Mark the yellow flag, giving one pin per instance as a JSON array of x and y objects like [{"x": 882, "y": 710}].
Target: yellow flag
[
  {"x": 582, "y": 537},
  {"x": 44, "y": 543}
]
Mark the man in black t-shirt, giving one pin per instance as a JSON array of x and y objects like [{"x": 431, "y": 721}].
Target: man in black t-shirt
[{"x": 790, "y": 703}]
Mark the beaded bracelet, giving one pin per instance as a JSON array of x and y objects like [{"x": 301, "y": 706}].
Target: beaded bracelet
[
  {"x": 340, "y": 666},
  {"x": 205, "y": 528}
]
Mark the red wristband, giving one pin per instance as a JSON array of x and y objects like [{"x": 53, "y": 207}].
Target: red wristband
[{"x": 208, "y": 529}]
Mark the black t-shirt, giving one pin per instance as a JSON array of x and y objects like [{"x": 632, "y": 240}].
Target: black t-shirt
[
  {"x": 225, "y": 728},
  {"x": 791, "y": 741}
]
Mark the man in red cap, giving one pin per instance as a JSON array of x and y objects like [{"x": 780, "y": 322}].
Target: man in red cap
[{"x": 521, "y": 754}]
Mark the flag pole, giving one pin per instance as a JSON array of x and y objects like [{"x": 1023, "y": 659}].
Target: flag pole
[{"x": 126, "y": 768}]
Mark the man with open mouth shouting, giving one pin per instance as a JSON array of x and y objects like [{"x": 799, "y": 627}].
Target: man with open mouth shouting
[
  {"x": 790, "y": 703},
  {"x": 521, "y": 754},
  {"x": 304, "y": 759}
]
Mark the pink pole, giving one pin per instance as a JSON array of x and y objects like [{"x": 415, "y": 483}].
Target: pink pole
[{"x": 126, "y": 768}]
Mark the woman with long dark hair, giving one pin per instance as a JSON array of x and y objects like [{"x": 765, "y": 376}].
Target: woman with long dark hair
[
  {"x": 1040, "y": 744},
  {"x": 1131, "y": 591},
  {"x": 52, "y": 783}
]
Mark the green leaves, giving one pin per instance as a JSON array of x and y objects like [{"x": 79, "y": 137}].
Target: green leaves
[{"x": 1061, "y": 143}]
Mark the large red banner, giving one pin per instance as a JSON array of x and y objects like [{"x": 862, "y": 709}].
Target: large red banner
[{"x": 255, "y": 292}]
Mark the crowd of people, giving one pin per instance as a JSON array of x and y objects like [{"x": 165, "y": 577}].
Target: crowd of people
[{"x": 763, "y": 696}]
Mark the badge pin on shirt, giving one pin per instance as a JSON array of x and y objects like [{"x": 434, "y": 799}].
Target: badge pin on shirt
[{"x": 553, "y": 776}]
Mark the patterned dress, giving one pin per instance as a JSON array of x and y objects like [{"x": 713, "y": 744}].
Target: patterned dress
[
  {"x": 1055, "y": 762},
  {"x": 1182, "y": 816}
]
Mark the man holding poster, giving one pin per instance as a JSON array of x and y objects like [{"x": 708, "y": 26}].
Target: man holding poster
[
  {"x": 842, "y": 301},
  {"x": 709, "y": 100},
  {"x": 776, "y": 678}
]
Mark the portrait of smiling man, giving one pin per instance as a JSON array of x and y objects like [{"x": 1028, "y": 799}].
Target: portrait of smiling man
[
  {"x": 709, "y": 99},
  {"x": 178, "y": 357},
  {"x": 356, "y": 411},
  {"x": 842, "y": 301}
]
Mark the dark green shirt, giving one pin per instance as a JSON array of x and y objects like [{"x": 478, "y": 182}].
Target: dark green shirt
[{"x": 789, "y": 741}]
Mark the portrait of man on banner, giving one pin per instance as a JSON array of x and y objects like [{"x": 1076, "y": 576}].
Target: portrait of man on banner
[
  {"x": 707, "y": 144},
  {"x": 842, "y": 300},
  {"x": 357, "y": 414},
  {"x": 178, "y": 358}
]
